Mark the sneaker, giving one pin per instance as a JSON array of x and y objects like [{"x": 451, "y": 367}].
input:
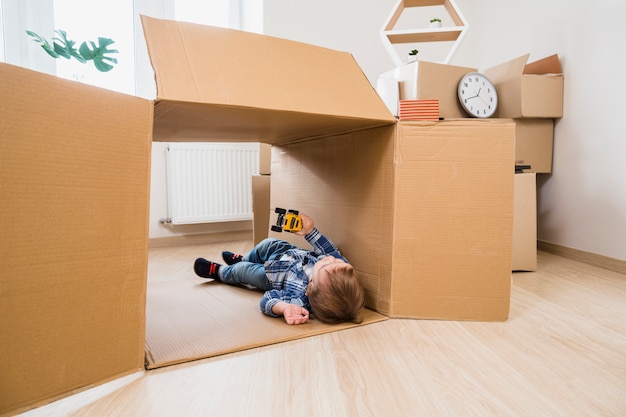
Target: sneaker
[
  {"x": 206, "y": 269},
  {"x": 231, "y": 258}
]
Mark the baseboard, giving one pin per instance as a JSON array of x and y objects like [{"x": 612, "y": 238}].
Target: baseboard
[
  {"x": 199, "y": 239},
  {"x": 601, "y": 261}
]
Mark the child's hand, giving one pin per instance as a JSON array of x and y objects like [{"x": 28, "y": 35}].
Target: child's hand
[
  {"x": 292, "y": 313},
  {"x": 307, "y": 225}
]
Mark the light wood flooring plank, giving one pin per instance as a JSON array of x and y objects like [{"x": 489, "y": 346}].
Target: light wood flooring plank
[{"x": 561, "y": 353}]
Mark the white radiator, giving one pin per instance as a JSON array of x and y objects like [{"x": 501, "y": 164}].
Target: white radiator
[{"x": 210, "y": 182}]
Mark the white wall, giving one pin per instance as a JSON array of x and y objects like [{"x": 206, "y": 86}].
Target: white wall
[{"x": 582, "y": 204}]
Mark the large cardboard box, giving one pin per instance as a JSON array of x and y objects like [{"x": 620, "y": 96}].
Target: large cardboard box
[
  {"x": 74, "y": 174},
  {"x": 534, "y": 140},
  {"x": 424, "y": 210},
  {"x": 525, "y": 223},
  {"x": 426, "y": 183},
  {"x": 528, "y": 90},
  {"x": 75, "y": 198},
  {"x": 428, "y": 80}
]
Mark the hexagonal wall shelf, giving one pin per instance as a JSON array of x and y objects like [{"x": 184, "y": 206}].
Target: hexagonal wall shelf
[{"x": 453, "y": 33}]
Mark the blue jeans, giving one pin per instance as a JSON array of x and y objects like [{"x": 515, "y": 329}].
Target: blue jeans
[{"x": 251, "y": 270}]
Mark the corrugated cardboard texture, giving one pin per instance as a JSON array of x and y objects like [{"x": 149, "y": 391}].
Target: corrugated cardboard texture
[
  {"x": 193, "y": 318},
  {"x": 425, "y": 214},
  {"x": 223, "y": 84},
  {"x": 346, "y": 184},
  {"x": 260, "y": 207},
  {"x": 533, "y": 144},
  {"x": 440, "y": 81},
  {"x": 453, "y": 220},
  {"x": 525, "y": 223},
  {"x": 74, "y": 175}
]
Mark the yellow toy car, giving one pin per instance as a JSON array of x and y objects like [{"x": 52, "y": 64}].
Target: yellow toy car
[{"x": 288, "y": 221}]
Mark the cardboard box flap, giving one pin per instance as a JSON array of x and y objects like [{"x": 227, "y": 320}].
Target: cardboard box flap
[
  {"x": 249, "y": 86},
  {"x": 75, "y": 179},
  {"x": 532, "y": 90},
  {"x": 507, "y": 70},
  {"x": 547, "y": 65}
]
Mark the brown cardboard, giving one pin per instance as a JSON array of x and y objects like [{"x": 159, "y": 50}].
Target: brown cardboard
[
  {"x": 528, "y": 90},
  {"x": 428, "y": 80},
  {"x": 75, "y": 197},
  {"x": 182, "y": 317},
  {"x": 242, "y": 86},
  {"x": 533, "y": 144},
  {"x": 424, "y": 211},
  {"x": 265, "y": 159},
  {"x": 260, "y": 207},
  {"x": 74, "y": 173},
  {"x": 525, "y": 223}
]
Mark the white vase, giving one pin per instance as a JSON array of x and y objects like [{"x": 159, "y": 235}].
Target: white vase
[
  {"x": 412, "y": 58},
  {"x": 435, "y": 24}
]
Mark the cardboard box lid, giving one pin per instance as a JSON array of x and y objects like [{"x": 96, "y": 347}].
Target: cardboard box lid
[
  {"x": 547, "y": 65},
  {"x": 229, "y": 85}
]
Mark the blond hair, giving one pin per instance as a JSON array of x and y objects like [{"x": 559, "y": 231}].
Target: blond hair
[{"x": 339, "y": 298}]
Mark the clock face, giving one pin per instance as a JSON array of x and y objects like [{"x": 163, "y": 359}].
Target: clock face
[{"x": 477, "y": 95}]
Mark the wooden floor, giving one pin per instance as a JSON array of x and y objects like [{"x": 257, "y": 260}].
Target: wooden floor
[{"x": 561, "y": 353}]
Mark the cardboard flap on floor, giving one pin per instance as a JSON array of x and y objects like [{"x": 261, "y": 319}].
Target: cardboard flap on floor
[
  {"x": 528, "y": 90},
  {"x": 190, "y": 319},
  {"x": 224, "y": 84}
]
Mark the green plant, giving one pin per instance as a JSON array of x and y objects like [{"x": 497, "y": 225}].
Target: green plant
[
  {"x": 436, "y": 19},
  {"x": 62, "y": 47},
  {"x": 414, "y": 52}
]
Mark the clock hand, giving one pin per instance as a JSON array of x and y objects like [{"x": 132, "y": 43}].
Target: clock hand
[{"x": 477, "y": 94}]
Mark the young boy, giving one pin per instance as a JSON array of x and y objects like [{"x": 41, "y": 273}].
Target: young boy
[{"x": 296, "y": 281}]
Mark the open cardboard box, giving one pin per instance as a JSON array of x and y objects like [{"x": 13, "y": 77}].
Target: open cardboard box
[
  {"x": 528, "y": 90},
  {"x": 423, "y": 210}
]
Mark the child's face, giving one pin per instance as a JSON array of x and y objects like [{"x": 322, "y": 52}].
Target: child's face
[{"x": 322, "y": 268}]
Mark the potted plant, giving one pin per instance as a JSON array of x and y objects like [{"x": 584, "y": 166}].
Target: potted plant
[
  {"x": 435, "y": 22},
  {"x": 413, "y": 55}
]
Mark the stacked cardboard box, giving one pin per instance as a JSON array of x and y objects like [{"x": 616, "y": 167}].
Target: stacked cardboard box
[
  {"x": 529, "y": 93},
  {"x": 424, "y": 210}
]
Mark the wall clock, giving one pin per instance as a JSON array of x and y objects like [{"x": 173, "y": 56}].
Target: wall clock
[{"x": 477, "y": 95}]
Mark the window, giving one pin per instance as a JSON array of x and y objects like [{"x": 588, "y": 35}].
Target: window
[{"x": 114, "y": 19}]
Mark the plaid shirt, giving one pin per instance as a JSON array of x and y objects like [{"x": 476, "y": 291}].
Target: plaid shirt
[{"x": 291, "y": 272}]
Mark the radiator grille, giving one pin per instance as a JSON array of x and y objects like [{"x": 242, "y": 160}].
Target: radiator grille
[{"x": 210, "y": 182}]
